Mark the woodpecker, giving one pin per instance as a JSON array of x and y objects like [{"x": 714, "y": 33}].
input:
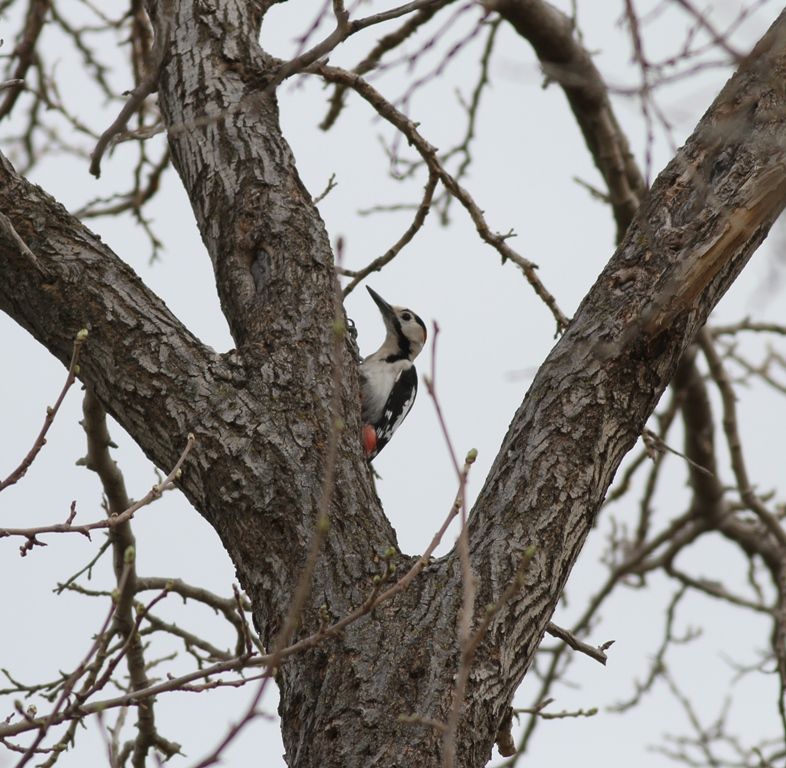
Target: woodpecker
[{"x": 389, "y": 381}]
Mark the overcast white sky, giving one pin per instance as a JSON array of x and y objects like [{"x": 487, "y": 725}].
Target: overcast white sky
[{"x": 494, "y": 335}]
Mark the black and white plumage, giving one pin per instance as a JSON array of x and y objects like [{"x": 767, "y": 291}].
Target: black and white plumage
[{"x": 389, "y": 381}]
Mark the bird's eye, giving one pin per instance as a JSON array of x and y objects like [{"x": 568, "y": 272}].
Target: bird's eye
[{"x": 406, "y": 316}]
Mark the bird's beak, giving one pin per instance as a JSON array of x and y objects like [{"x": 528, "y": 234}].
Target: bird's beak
[{"x": 384, "y": 307}]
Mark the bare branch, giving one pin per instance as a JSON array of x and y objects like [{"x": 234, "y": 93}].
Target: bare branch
[
  {"x": 498, "y": 241},
  {"x": 24, "y": 52},
  {"x": 51, "y": 412},
  {"x": 395, "y": 249},
  {"x": 55, "y": 716},
  {"x": 68, "y": 527},
  {"x": 594, "y": 652},
  {"x": 749, "y": 496},
  {"x": 135, "y": 101},
  {"x": 344, "y": 28},
  {"x": 384, "y": 45}
]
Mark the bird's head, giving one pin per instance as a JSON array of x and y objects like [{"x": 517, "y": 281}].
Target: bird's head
[{"x": 406, "y": 332}]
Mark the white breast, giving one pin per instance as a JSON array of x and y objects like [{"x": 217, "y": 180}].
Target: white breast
[{"x": 377, "y": 379}]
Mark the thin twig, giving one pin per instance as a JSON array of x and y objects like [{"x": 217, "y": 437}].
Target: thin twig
[
  {"x": 136, "y": 99},
  {"x": 594, "y": 652},
  {"x": 51, "y": 412},
  {"x": 110, "y": 522},
  {"x": 344, "y": 28},
  {"x": 429, "y": 154},
  {"x": 239, "y": 663},
  {"x": 728, "y": 398},
  {"x": 420, "y": 217},
  {"x": 654, "y": 445},
  {"x": 52, "y": 718},
  {"x": 384, "y": 45},
  {"x": 539, "y": 711}
]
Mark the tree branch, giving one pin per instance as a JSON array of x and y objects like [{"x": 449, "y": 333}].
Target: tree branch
[{"x": 565, "y": 61}]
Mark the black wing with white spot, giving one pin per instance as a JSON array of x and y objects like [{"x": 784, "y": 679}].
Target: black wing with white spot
[{"x": 397, "y": 406}]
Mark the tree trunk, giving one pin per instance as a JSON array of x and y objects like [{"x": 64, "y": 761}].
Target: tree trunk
[{"x": 262, "y": 414}]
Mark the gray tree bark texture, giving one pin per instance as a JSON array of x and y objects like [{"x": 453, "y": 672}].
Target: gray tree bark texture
[{"x": 262, "y": 417}]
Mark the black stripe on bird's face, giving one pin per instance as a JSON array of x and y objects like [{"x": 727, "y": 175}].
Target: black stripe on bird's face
[{"x": 404, "y": 345}]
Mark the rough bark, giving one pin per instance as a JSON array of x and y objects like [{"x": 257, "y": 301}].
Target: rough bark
[{"x": 261, "y": 415}]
